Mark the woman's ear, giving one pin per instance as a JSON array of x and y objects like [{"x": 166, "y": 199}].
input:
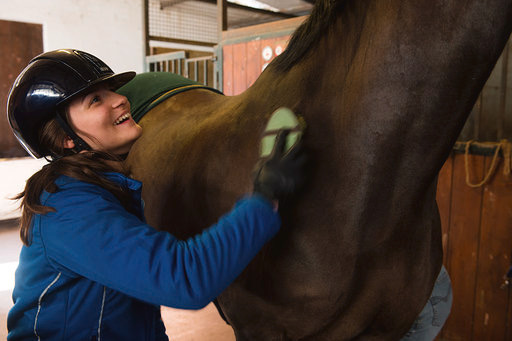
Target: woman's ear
[{"x": 69, "y": 143}]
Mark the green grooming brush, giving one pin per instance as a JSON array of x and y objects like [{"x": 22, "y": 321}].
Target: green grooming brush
[{"x": 281, "y": 119}]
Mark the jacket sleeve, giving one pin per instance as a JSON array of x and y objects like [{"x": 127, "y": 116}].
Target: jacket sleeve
[{"x": 93, "y": 236}]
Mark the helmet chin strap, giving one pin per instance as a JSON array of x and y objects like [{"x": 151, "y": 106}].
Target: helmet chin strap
[{"x": 80, "y": 144}]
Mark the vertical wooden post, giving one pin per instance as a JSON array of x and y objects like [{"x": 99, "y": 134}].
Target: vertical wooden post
[
  {"x": 503, "y": 93},
  {"x": 146, "y": 27},
  {"x": 476, "y": 117},
  {"x": 222, "y": 16},
  {"x": 464, "y": 245}
]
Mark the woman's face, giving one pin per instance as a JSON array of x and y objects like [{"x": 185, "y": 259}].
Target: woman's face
[{"x": 102, "y": 119}]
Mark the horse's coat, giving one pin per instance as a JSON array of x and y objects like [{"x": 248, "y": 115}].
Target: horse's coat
[{"x": 385, "y": 87}]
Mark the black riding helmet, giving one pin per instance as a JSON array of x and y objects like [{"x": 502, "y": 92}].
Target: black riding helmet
[{"x": 46, "y": 85}]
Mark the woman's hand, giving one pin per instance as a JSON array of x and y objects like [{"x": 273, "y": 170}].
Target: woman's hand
[{"x": 281, "y": 174}]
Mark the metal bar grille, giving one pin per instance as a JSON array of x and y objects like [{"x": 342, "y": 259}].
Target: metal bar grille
[
  {"x": 189, "y": 20},
  {"x": 199, "y": 69}
]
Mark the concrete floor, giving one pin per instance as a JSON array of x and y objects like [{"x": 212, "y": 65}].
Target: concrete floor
[{"x": 181, "y": 325}]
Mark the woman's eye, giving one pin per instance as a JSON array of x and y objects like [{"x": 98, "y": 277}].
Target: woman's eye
[{"x": 95, "y": 99}]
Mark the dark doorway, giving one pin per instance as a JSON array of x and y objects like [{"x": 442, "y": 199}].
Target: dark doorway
[{"x": 19, "y": 42}]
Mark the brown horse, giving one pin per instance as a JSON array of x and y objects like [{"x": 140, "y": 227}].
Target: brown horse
[{"x": 385, "y": 87}]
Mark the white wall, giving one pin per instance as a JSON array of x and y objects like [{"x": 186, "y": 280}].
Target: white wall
[
  {"x": 13, "y": 175},
  {"x": 112, "y": 30}
]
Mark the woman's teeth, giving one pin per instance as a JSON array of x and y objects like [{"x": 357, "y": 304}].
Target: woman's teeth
[{"x": 122, "y": 119}]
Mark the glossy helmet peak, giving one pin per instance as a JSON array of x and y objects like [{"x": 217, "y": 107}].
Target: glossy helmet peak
[{"x": 49, "y": 81}]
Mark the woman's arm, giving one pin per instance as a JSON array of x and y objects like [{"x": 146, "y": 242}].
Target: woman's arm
[{"x": 93, "y": 236}]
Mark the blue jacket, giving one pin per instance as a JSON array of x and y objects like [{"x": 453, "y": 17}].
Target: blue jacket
[{"x": 94, "y": 271}]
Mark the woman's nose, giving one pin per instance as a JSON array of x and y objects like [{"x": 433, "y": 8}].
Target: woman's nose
[{"x": 118, "y": 100}]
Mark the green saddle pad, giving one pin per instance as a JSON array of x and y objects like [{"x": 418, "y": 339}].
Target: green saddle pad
[{"x": 147, "y": 90}]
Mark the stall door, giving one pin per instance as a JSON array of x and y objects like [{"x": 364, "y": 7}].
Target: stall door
[{"x": 19, "y": 42}]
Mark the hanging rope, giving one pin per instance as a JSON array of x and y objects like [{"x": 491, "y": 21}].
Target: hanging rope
[{"x": 506, "y": 148}]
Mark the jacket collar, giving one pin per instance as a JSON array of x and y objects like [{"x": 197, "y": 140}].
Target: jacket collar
[
  {"x": 124, "y": 181},
  {"x": 118, "y": 178}
]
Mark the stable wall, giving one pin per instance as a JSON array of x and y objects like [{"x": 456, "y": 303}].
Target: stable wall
[
  {"x": 477, "y": 244},
  {"x": 109, "y": 29}
]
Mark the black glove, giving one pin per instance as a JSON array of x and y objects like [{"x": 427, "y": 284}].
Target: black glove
[{"x": 281, "y": 173}]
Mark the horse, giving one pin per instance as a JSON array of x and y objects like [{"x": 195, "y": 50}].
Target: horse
[{"x": 385, "y": 88}]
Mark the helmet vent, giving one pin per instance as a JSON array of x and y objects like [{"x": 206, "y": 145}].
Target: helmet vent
[{"x": 98, "y": 65}]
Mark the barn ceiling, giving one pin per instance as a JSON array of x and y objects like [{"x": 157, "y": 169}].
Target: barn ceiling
[
  {"x": 296, "y": 7},
  {"x": 260, "y": 11},
  {"x": 197, "y": 20},
  {"x": 251, "y": 12}
]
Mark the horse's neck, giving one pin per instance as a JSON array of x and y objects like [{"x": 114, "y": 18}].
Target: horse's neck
[{"x": 401, "y": 75}]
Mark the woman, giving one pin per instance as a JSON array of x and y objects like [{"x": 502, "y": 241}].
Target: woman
[{"x": 90, "y": 267}]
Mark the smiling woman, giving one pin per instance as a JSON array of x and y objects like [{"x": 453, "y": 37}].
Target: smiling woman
[
  {"x": 86, "y": 241},
  {"x": 102, "y": 119}
]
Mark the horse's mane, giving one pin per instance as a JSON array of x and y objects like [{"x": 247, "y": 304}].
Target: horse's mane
[{"x": 308, "y": 34}]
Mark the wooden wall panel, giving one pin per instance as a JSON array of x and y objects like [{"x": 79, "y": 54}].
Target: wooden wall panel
[
  {"x": 227, "y": 67},
  {"x": 253, "y": 67},
  {"x": 243, "y": 62},
  {"x": 443, "y": 198},
  {"x": 491, "y": 302},
  {"x": 19, "y": 42},
  {"x": 239, "y": 68},
  {"x": 479, "y": 249},
  {"x": 462, "y": 254}
]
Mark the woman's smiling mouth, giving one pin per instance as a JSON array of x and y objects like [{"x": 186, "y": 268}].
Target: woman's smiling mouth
[{"x": 122, "y": 118}]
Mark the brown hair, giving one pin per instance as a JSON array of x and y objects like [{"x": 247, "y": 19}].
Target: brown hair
[{"x": 86, "y": 166}]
